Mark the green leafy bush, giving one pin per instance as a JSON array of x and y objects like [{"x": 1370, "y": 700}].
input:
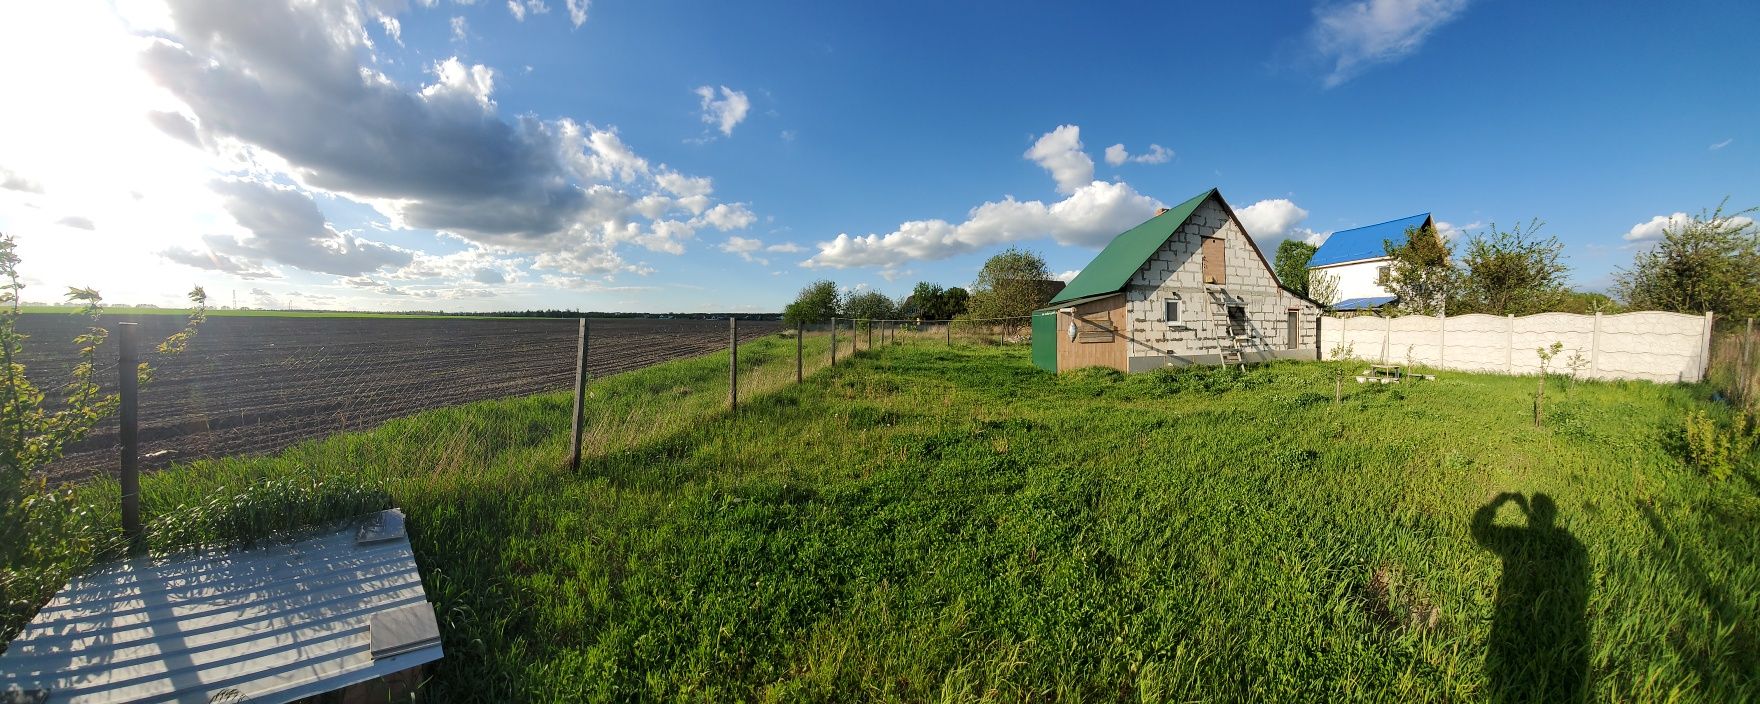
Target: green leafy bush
[{"x": 1715, "y": 449}]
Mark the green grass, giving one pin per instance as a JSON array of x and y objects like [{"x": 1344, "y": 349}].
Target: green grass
[{"x": 954, "y": 525}]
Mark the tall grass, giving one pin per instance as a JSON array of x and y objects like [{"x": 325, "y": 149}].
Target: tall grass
[
  {"x": 925, "y": 523},
  {"x": 1735, "y": 366}
]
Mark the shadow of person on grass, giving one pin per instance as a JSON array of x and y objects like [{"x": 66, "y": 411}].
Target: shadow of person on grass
[{"x": 1538, "y": 649}]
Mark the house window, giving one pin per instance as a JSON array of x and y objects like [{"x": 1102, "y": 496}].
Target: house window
[
  {"x": 1381, "y": 275},
  {"x": 1170, "y": 309}
]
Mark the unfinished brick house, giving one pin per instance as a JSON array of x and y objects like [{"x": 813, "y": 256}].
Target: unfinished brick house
[{"x": 1188, "y": 286}]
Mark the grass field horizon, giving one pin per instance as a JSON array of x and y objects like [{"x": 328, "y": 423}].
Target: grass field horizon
[{"x": 927, "y": 523}]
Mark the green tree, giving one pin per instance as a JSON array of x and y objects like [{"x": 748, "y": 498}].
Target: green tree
[
  {"x": 1323, "y": 287},
  {"x": 1711, "y": 262},
  {"x": 1586, "y": 302},
  {"x": 1292, "y": 264},
  {"x": 816, "y": 303},
  {"x": 1010, "y": 284},
  {"x": 924, "y": 301},
  {"x": 953, "y": 303},
  {"x": 870, "y": 305},
  {"x": 1420, "y": 274},
  {"x": 1514, "y": 272},
  {"x": 43, "y": 527}
]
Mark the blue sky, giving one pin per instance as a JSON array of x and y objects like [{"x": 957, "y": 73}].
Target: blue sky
[{"x": 674, "y": 156}]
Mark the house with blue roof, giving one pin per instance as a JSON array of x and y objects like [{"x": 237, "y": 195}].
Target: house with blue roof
[{"x": 1358, "y": 259}]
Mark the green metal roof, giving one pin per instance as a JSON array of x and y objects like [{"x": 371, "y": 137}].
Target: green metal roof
[{"x": 1112, "y": 269}]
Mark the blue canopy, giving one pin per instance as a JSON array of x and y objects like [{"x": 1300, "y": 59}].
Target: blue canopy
[{"x": 1362, "y": 303}]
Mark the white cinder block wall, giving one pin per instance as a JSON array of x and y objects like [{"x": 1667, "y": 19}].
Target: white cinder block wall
[
  {"x": 1651, "y": 346},
  {"x": 1177, "y": 268}
]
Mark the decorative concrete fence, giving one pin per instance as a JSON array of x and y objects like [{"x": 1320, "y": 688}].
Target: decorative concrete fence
[{"x": 1652, "y": 346}]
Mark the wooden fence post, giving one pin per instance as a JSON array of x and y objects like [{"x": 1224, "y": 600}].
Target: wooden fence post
[
  {"x": 799, "y": 349},
  {"x": 732, "y": 363},
  {"x": 580, "y": 398},
  {"x": 949, "y": 333},
  {"x": 834, "y": 341},
  {"x": 128, "y": 368},
  {"x": 1318, "y": 354},
  {"x": 870, "y": 335}
]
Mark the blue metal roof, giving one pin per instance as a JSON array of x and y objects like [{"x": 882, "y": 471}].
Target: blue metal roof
[
  {"x": 1361, "y": 303},
  {"x": 1364, "y": 242}
]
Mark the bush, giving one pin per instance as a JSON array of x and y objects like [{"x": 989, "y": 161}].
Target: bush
[{"x": 1714, "y": 449}]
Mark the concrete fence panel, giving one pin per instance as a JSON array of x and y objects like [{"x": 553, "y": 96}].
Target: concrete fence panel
[
  {"x": 1651, "y": 346},
  {"x": 1477, "y": 343}
]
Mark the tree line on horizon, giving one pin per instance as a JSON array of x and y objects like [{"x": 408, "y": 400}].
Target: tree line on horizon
[
  {"x": 1708, "y": 263},
  {"x": 1011, "y": 284}
]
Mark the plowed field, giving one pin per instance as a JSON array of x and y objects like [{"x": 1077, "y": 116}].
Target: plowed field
[{"x": 257, "y": 384}]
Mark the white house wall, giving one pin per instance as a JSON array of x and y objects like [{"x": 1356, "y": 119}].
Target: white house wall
[
  {"x": 1651, "y": 346},
  {"x": 1178, "y": 268},
  {"x": 1356, "y": 280}
]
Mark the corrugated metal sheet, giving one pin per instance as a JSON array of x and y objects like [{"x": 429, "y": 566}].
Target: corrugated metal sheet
[
  {"x": 1364, "y": 242},
  {"x": 269, "y": 623},
  {"x": 1362, "y": 303},
  {"x": 1121, "y": 258}
]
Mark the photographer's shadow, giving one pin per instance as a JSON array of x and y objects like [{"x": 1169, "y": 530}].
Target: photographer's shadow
[{"x": 1538, "y": 649}]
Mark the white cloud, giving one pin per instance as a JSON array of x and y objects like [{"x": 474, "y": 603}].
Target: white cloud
[
  {"x": 1450, "y": 232},
  {"x": 1722, "y": 144},
  {"x": 729, "y": 216},
  {"x": 1656, "y": 227},
  {"x": 783, "y": 247},
  {"x": 15, "y": 182},
  {"x": 460, "y": 29},
  {"x": 289, "y": 91},
  {"x": 1089, "y": 217},
  {"x": 725, "y": 112},
  {"x": 520, "y": 7},
  {"x": 1117, "y": 155},
  {"x": 1356, "y": 35},
  {"x": 77, "y": 222},
  {"x": 1067, "y": 276},
  {"x": 577, "y": 12},
  {"x": 286, "y": 227},
  {"x": 1060, "y": 152},
  {"x": 1272, "y": 220},
  {"x": 392, "y": 28},
  {"x": 747, "y": 249}
]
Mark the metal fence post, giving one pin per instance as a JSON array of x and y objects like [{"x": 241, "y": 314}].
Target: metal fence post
[
  {"x": 799, "y": 349},
  {"x": 732, "y": 363},
  {"x": 128, "y": 369},
  {"x": 580, "y": 398}
]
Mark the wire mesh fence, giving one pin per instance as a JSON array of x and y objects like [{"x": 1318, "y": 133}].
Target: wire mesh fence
[
  {"x": 1734, "y": 370},
  {"x": 253, "y": 385},
  {"x": 250, "y": 385}
]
